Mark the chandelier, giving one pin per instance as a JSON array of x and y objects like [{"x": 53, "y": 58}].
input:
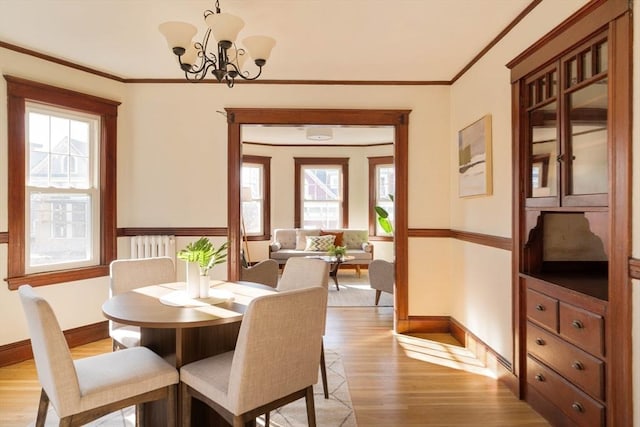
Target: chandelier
[{"x": 225, "y": 60}]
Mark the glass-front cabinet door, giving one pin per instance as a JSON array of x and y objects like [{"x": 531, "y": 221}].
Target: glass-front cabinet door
[{"x": 567, "y": 132}]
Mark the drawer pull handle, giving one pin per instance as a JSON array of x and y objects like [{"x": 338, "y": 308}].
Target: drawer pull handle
[
  {"x": 539, "y": 341},
  {"x": 577, "y": 324},
  {"x": 540, "y": 307},
  {"x": 577, "y": 365},
  {"x": 577, "y": 407},
  {"x": 539, "y": 377}
]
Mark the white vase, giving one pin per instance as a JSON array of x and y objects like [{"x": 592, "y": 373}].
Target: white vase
[
  {"x": 204, "y": 286},
  {"x": 193, "y": 280}
]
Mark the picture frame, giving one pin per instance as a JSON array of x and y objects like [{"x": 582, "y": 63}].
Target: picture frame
[{"x": 474, "y": 159}]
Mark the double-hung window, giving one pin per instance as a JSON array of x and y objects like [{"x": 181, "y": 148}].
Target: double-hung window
[
  {"x": 321, "y": 192},
  {"x": 62, "y": 210},
  {"x": 255, "y": 196},
  {"x": 382, "y": 182},
  {"x": 62, "y": 184}
]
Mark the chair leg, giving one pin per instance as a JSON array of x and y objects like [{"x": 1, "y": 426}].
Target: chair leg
[
  {"x": 185, "y": 406},
  {"x": 311, "y": 409},
  {"x": 323, "y": 371},
  {"x": 171, "y": 406},
  {"x": 267, "y": 419},
  {"x": 378, "y": 293},
  {"x": 42, "y": 409}
]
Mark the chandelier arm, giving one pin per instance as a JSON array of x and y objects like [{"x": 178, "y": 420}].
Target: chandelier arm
[{"x": 245, "y": 75}]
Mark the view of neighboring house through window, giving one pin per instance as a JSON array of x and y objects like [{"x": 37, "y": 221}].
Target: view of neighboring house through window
[
  {"x": 382, "y": 183},
  {"x": 322, "y": 197},
  {"x": 254, "y": 194},
  {"x": 62, "y": 210}
]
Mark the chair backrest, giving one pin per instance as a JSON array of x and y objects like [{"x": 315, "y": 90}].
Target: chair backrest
[
  {"x": 381, "y": 275},
  {"x": 128, "y": 274},
  {"x": 278, "y": 347},
  {"x": 264, "y": 272},
  {"x": 300, "y": 272},
  {"x": 56, "y": 371}
]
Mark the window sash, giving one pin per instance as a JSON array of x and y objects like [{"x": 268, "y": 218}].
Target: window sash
[
  {"x": 252, "y": 202},
  {"x": 60, "y": 248}
]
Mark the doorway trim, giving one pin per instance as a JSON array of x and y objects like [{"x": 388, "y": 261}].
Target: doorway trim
[{"x": 236, "y": 117}]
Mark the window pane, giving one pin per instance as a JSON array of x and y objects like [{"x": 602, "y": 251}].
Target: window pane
[
  {"x": 59, "y": 150},
  {"x": 321, "y": 215},
  {"x": 60, "y": 227},
  {"x": 386, "y": 182},
  {"x": 322, "y": 197},
  {"x": 322, "y": 183},
  {"x": 252, "y": 217},
  {"x": 251, "y": 181}
]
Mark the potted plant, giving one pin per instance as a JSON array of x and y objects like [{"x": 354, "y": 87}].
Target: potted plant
[
  {"x": 337, "y": 251},
  {"x": 201, "y": 256}
]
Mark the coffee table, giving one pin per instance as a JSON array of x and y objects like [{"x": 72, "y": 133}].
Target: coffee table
[{"x": 334, "y": 265}]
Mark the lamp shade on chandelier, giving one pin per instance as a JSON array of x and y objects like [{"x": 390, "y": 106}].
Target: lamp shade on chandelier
[{"x": 220, "y": 56}]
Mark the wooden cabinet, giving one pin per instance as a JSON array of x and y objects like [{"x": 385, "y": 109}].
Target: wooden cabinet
[{"x": 571, "y": 219}]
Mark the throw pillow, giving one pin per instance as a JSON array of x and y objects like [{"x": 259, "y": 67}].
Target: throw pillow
[
  {"x": 301, "y": 238},
  {"x": 338, "y": 234},
  {"x": 319, "y": 243}
]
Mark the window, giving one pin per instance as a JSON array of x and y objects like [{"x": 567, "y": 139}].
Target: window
[
  {"x": 62, "y": 210},
  {"x": 62, "y": 223},
  {"x": 255, "y": 196},
  {"x": 321, "y": 192},
  {"x": 382, "y": 183}
]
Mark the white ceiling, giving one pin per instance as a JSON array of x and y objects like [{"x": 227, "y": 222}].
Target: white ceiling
[{"x": 393, "y": 40}]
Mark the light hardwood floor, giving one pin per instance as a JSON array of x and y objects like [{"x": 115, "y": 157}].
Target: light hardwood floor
[{"x": 393, "y": 380}]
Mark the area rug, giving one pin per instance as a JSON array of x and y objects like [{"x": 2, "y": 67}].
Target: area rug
[
  {"x": 355, "y": 291},
  {"x": 333, "y": 412}
]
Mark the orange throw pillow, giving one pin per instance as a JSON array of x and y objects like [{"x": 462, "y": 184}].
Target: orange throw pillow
[{"x": 338, "y": 234}]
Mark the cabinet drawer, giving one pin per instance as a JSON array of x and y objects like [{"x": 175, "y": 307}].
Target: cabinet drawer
[
  {"x": 582, "y": 369},
  {"x": 583, "y": 328},
  {"x": 542, "y": 309},
  {"x": 575, "y": 404}
]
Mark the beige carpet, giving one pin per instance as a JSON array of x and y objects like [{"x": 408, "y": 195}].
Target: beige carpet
[
  {"x": 355, "y": 291},
  {"x": 333, "y": 412}
]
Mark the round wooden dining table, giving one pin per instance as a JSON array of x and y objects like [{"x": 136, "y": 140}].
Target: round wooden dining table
[{"x": 182, "y": 330}]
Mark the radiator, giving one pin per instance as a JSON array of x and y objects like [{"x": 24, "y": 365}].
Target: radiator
[{"x": 153, "y": 246}]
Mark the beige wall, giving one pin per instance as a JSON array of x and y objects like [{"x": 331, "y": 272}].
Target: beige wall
[
  {"x": 172, "y": 154},
  {"x": 76, "y": 303}
]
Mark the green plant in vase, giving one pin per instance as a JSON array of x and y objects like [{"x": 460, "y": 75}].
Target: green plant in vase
[
  {"x": 337, "y": 251},
  {"x": 204, "y": 253},
  {"x": 203, "y": 256}
]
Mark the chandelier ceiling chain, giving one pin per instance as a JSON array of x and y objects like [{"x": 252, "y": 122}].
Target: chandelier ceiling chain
[{"x": 225, "y": 61}]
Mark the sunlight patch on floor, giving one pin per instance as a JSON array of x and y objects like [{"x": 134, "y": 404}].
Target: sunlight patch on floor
[{"x": 443, "y": 354}]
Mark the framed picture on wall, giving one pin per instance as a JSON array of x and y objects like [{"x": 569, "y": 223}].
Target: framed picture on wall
[{"x": 474, "y": 159}]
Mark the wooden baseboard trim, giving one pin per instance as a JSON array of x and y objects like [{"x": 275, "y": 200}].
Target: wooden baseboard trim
[
  {"x": 499, "y": 365},
  {"x": 634, "y": 268},
  {"x": 21, "y": 350}
]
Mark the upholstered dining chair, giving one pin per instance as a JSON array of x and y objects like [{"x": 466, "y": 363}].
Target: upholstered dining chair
[
  {"x": 86, "y": 389},
  {"x": 128, "y": 274},
  {"x": 381, "y": 277},
  {"x": 274, "y": 363},
  {"x": 265, "y": 272},
  {"x": 298, "y": 273}
]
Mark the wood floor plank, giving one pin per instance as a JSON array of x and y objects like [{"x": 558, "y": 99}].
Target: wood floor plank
[{"x": 393, "y": 380}]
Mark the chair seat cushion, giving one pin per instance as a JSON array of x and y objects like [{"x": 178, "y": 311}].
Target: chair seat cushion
[
  {"x": 128, "y": 336},
  {"x": 210, "y": 377},
  {"x": 110, "y": 377}
]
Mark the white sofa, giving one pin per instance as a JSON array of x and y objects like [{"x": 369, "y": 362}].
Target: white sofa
[{"x": 290, "y": 242}]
